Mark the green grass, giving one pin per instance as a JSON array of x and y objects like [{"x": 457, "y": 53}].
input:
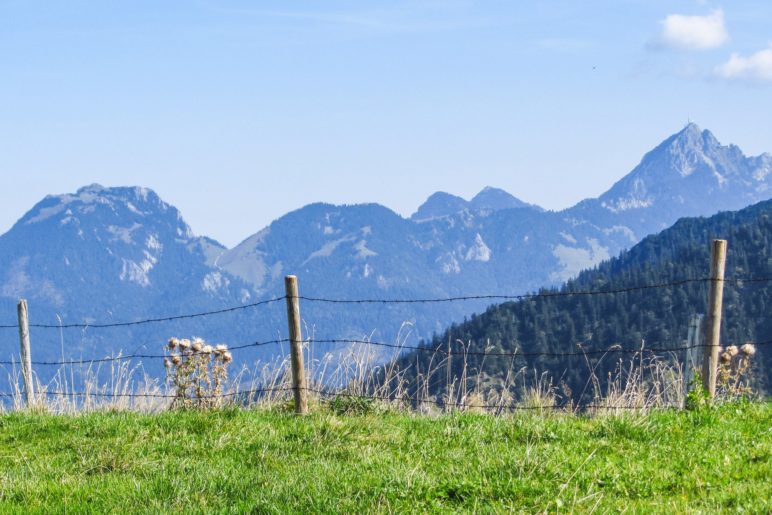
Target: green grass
[{"x": 270, "y": 462}]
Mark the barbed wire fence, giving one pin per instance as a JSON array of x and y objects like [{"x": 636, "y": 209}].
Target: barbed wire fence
[{"x": 300, "y": 388}]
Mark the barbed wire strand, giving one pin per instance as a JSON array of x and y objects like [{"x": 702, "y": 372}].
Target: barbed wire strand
[
  {"x": 150, "y": 395},
  {"x": 527, "y": 296},
  {"x": 500, "y": 406},
  {"x": 128, "y": 357},
  {"x": 438, "y": 350},
  {"x": 326, "y": 393},
  {"x": 612, "y": 349},
  {"x": 148, "y": 320},
  {"x": 543, "y": 294}
]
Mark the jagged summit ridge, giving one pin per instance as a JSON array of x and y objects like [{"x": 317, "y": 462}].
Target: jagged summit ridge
[
  {"x": 126, "y": 233},
  {"x": 136, "y": 200},
  {"x": 690, "y": 168}
]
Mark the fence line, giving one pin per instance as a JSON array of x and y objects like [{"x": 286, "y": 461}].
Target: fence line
[
  {"x": 437, "y": 350},
  {"x": 111, "y": 395},
  {"x": 609, "y": 350},
  {"x": 527, "y": 296},
  {"x": 149, "y": 320},
  {"x": 444, "y": 403},
  {"x": 128, "y": 357},
  {"x": 459, "y": 404},
  {"x": 299, "y": 384}
]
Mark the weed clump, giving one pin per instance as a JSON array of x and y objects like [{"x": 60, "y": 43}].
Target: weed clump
[
  {"x": 345, "y": 405},
  {"x": 733, "y": 378},
  {"x": 197, "y": 373},
  {"x": 734, "y": 370}
]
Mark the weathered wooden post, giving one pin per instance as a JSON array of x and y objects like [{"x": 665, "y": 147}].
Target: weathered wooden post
[
  {"x": 26, "y": 357},
  {"x": 299, "y": 386},
  {"x": 713, "y": 325}
]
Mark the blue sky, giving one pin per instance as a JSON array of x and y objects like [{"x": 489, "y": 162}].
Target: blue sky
[{"x": 237, "y": 112}]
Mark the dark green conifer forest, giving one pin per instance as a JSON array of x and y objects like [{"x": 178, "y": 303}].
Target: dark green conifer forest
[{"x": 656, "y": 317}]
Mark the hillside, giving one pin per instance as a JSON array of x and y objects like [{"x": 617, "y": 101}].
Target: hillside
[{"x": 655, "y": 317}]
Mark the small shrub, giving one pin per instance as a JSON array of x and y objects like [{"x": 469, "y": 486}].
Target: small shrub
[
  {"x": 697, "y": 398},
  {"x": 344, "y": 405}
]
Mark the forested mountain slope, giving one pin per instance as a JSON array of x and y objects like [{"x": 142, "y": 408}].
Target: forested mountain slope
[{"x": 651, "y": 317}]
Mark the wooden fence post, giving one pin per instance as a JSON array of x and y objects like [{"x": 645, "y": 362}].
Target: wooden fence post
[
  {"x": 26, "y": 357},
  {"x": 713, "y": 325},
  {"x": 299, "y": 386}
]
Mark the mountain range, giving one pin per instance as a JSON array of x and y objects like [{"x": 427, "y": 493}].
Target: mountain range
[{"x": 105, "y": 255}]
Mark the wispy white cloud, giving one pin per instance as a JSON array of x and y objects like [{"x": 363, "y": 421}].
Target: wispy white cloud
[
  {"x": 755, "y": 67},
  {"x": 693, "y": 32}
]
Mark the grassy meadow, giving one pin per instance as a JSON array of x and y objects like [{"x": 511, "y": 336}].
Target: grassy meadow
[{"x": 271, "y": 461}]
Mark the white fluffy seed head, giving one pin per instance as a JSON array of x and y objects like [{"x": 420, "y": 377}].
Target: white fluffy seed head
[
  {"x": 184, "y": 344},
  {"x": 732, "y": 350},
  {"x": 748, "y": 349}
]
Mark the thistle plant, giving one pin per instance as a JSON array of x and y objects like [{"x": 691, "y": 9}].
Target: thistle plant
[
  {"x": 197, "y": 372},
  {"x": 734, "y": 368}
]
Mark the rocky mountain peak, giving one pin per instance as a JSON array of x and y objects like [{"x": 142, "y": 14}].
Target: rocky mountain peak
[
  {"x": 100, "y": 207},
  {"x": 692, "y": 139},
  {"x": 496, "y": 199},
  {"x": 439, "y": 204},
  {"x": 690, "y": 173}
]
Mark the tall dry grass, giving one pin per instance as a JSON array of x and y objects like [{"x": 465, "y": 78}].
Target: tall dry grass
[{"x": 640, "y": 382}]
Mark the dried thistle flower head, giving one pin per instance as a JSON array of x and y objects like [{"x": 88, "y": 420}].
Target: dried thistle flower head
[
  {"x": 173, "y": 343},
  {"x": 207, "y": 349},
  {"x": 167, "y": 363},
  {"x": 197, "y": 345},
  {"x": 227, "y": 357},
  {"x": 726, "y": 357},
  {"x": 184, "y": 344},
  {"x": 732, "y": 350},
  {"x": 221, "y": 349},
  {"x": 176, "y": 360},
  {"x": 748, "y": 349}
]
